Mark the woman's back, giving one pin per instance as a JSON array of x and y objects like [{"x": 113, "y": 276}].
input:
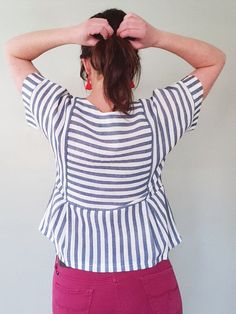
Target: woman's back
[{"x": 108, "y": 210}]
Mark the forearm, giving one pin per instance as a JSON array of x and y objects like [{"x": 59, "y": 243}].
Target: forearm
[
  {"x": 29, "y": 46},
  {"x": 196, "y": 52}
]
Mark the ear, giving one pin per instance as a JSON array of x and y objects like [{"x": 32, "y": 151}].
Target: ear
[{"x": 87, "y": 65}]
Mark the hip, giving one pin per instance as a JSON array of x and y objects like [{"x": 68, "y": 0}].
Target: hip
[{"x": 150, "y": 290}]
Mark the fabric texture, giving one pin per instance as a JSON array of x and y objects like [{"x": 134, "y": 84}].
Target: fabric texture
[
  {"x": 146, "y": 291},
  {"x": 108, "y": 210}
]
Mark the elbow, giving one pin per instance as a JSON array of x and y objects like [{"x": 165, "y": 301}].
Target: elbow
[
  {"x": 6, "y": 49},
  {"x": 9, "y": 48},
  {"x": 222, "y": 58}
]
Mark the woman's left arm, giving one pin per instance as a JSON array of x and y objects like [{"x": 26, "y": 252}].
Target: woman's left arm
[{"x": 22, "y": 49}]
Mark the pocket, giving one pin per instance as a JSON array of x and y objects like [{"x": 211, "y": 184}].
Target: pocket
[
  {"x": 71, "y": 299},
  {"x": 162, "y": 292}
]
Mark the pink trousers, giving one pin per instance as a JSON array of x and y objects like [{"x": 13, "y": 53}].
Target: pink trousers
[{"x": 146, "y": 291}]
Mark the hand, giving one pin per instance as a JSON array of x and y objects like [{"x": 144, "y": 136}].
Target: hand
[
  {"x": 144, "y": 34},
  {"x": 83, "y": 33}
]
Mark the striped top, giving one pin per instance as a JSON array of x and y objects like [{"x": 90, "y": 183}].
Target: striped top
[{"x": 108, "y": 210}]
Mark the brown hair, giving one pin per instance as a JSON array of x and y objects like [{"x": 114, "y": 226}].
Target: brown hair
[{"x": 117, "y": 60}]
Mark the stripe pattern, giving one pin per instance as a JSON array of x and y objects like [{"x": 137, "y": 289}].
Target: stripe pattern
[
  {"x": 45, "y": 102},
  {"x": 108, "y": 210},
  {"x": 108, "y": 157},
  {"x": 176, "y": 109}
]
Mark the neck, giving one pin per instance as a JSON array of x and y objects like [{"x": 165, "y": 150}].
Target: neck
[{"x": 97, "y": 96}]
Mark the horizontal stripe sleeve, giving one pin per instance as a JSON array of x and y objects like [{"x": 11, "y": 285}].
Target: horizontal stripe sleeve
[
  {"x": 43, "y": 101},
  {"x": 178, "y": 106}
]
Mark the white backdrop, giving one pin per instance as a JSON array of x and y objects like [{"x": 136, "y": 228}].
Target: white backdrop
[{"x": 199, "y": 174}]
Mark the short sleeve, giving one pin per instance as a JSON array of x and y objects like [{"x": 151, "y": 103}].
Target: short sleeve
[
  {"x": 44, "y": 102},
  {"x": 178, "y": 107}
]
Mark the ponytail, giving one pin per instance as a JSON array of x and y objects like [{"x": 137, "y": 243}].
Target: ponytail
[{"x": 118, "y": 62}]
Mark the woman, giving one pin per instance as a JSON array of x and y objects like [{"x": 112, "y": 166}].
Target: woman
[{"x": 108, "y": 215}]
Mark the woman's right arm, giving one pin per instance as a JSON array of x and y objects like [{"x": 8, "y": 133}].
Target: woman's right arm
[{"x": 207, "y": 59}]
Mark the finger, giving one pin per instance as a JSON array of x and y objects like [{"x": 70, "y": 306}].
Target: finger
[
  {"x": 129, "y": 15},
  {"x": 135, "y": 44},
  {"x": 92, "y": 42},
  {"x": 104, "y": 32},
  {"x": 127, "y": 25},
  {"x": 123, "y": 27},
  {"x": 131, "y": 33},
  {"x": 105, "y": 23},
  {"x": 99, "y": 30},
  {"x": 109, "y": 29},
  {"x": 99, "y": 24}
]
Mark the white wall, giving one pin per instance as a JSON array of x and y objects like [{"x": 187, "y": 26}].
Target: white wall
[{"x": 199, "y": 174}]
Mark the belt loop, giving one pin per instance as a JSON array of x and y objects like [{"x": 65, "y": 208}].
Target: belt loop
[{"x": 56, "y": 265}]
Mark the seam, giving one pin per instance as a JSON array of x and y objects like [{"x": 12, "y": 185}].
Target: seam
[
  {"x": 66, "y": 148},
  {"x": 32, "y": 95},
  {"x": 190, "y": 100},
  {"x": 143, "y": 198},
  {"x": 152, "y": 166}
]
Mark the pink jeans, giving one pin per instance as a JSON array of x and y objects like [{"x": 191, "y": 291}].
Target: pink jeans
[{"x": 145, "y": 291}]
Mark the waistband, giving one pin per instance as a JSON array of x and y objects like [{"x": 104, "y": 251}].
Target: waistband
[{"x": 97, "y": 277}]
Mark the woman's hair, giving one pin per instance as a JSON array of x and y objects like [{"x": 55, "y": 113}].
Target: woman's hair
[{"x": 117, "y": 60}]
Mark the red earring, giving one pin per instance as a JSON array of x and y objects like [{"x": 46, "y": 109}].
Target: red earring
[
  {"x": 88, "y": 85},
  {"x": 132, "y": 84}
]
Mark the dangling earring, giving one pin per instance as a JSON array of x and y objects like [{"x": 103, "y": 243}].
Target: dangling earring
[
  {"x": 88, "y": 85},
  {"x": 132, "y": 84}
]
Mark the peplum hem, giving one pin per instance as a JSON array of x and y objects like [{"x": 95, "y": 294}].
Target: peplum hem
[{"x": 134, "y": 237}]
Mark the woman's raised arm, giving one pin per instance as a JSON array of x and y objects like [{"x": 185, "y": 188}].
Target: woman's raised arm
[
  {"x": 207, "y": 59},
  {"x": 22, "y": 49}
]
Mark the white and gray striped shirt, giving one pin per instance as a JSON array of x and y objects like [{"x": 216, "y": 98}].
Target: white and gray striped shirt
[{"x": 108, "y": 210}]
